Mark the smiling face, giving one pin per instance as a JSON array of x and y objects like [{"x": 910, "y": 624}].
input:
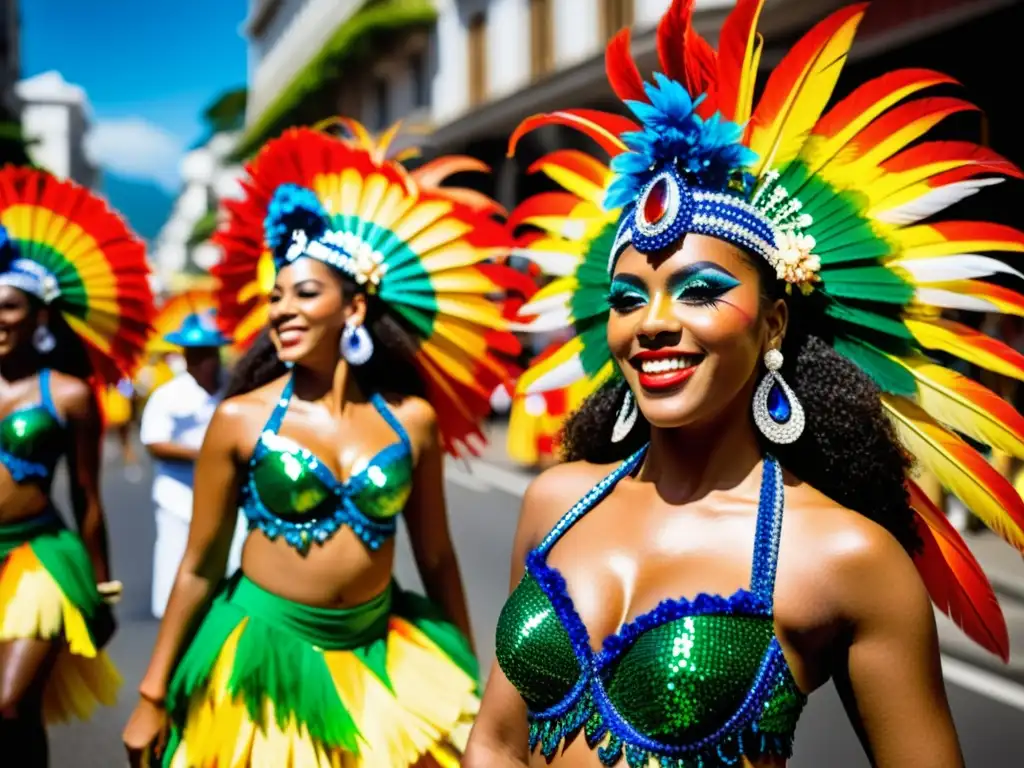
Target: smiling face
[
  {"x": 18, "y": 319},
  {"x": 688, "y": 328},
  {"x": 308, "y": 311}
]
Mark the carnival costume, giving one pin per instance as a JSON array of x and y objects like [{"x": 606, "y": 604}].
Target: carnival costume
[
  {"x": 389, "y": 682},
  {"x": 67, "y": 249},
  {"x": 834, "y": 202}
]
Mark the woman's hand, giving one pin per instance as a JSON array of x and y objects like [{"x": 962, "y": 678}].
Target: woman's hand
[{"x": 145, "y": 736}]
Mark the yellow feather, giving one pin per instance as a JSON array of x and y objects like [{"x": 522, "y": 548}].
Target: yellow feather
[
  {"x": 978, "y": 349},
  {"x": 780, "y": 142},
  {"x": 959, "y": 468},
  {"x": 571, "y": 349},
  {"x": 575, "y": 183},
  {"x": 966, "y": 406}
]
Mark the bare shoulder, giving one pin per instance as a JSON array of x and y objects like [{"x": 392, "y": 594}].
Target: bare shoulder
[
  {"x": 554, "y": 491},
  {"x": 248, "y": 405},
  {"x": 72, "y": 395},
  {"x": 416, "y": 414},
  {"x": 852, "y": 558}
]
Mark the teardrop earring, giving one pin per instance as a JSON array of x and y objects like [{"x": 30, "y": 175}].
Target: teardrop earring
[
  {"x": 626, "y": 418},
  {"x": 777, "y": 411}
]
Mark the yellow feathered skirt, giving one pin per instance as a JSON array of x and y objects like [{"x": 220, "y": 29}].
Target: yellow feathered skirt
[
  {"x": 269, "y": 682},
  {"x": 48, "y": 591}
]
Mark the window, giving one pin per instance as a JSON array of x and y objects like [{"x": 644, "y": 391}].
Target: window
[
  {"x": 420, "y": 81},
  {"x": 477, "y": 64},
  {"x": 542, "y": 48},
  {"x": 615, "y": 14},
  {"x": 380, "y": 102}
]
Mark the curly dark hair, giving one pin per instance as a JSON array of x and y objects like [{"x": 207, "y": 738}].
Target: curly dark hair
[
  {"x": 848, "y": 451},
  {"x": 389, "y": 371}
]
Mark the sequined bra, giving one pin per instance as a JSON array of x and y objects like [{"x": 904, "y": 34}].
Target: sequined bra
[
  {"x": 289, "y": 492},
  {"x": 691, "y": 684},
  {"x": 32, "y": 438}
]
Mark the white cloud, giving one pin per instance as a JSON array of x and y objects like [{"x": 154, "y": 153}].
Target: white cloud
[{"x": 137, "y": 149}]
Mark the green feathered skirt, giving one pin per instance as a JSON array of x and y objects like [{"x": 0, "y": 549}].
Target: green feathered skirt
[
  {"x": 48, "y": 591},
  {"x": 270, "y": 682}
]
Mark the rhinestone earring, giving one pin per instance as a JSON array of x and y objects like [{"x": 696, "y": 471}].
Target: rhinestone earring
[
  {"x": 626, "y": 418},
  {"x": 356, "y": 344},
  {"x": 777, "y": 412},
  {"x": 43, "y": 340}
]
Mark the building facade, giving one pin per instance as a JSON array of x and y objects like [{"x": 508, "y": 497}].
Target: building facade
[
  {"x": 313, "y": 59},
  {"x": 182, "y": 254},
  {"x": 55, "y": 120}
]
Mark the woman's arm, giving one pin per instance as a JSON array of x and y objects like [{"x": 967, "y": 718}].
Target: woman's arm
[
  {"x": 427, "y": 519},
  {"x": 81, "y": 412},
  {"x": 500, "y": 736},
  {"x": 209, "y": 539},
  {"x": 890, "y": 677}
]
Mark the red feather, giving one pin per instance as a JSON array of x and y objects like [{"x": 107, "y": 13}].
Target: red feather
[
  {"x": 623, "y": 76},
  {"x": 687, "y": 57},
  {"x": 733, "y": 44},
  {"x": 864, "y": 99},
  {"x": 580, "y": 163},
  {"x": 926, "y": 112},
  {"x": 543, "y": 204},
  {"x": 954, "y": 579},
  {"x": 929, "y": 152}
]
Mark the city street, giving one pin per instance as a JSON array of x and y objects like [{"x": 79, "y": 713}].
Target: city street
[{"x": 483, "y": 505}]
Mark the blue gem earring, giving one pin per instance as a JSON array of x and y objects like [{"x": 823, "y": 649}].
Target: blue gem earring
[
  {"x": 777, "y": 412},
  {"x": 356, "y": 344}
]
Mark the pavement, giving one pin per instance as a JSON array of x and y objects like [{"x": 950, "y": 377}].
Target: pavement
[{"x": 483, "y": 501}]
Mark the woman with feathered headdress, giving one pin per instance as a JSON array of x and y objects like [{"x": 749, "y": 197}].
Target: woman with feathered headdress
[
  {"x": 75, "y": 310},
  {"x": 380, "y": 337},
  {"x": 754, "y": 291}
]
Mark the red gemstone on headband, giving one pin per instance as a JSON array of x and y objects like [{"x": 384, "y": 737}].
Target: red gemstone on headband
[{"x": 656, "y": 204}]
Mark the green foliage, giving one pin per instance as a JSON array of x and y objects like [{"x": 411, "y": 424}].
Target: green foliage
[{"x": 355, "y": 39}]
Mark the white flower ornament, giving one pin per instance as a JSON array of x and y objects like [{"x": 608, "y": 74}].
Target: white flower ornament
[{"x": 795, "y": 261}]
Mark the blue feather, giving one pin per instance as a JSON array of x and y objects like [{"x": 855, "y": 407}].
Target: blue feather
[
  {"x": 708, "y": 150},
  {"x": 293, "y": 207}
]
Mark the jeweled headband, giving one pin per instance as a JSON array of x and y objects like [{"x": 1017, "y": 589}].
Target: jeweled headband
[
  {"x": 24, "y": 274},
  {"x": 297, "y": 225},
  {"x": 686, "y": 174}
]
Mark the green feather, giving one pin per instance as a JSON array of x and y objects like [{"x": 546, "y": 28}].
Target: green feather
[
  {"x": 867, "y": 284},
  {"x": 868, "y": 319},
  {"x": 891, "y": 377},
  {"x": 594, "y": 336}
]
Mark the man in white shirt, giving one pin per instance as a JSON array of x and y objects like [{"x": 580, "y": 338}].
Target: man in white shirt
[{"x": 173, "y": 426}]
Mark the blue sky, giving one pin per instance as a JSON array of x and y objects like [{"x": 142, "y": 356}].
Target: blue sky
[{"x": 149, "y": 69}]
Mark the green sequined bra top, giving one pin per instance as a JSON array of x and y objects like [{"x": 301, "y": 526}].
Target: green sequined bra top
[
  {"x": 692, "y": 684},
  {"x": 291, "y": 493},
  {"x": 33, "y": 438}
]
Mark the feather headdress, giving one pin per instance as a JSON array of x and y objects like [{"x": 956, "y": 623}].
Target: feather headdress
[
  {"x": 424, "y": 250},
  {"x": 62, "y": 244},
  {"x": 836, "y": 200}
]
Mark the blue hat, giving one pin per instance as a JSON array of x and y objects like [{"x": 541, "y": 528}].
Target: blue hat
[{"x": 198, "y": 331}]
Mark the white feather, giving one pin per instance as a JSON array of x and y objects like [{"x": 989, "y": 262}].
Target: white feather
[
  {"x": 574, "y": 229},
  {"x": 962, "y": 266},
  {"x": 932, "y": 202},
  {"x": 562, "y": 376},
  {"x": 935, "y": 297},
  {"x": 546, "y": 303},
  {"x": 554, "y": 263},
  {"x": 552, "y": 320}
]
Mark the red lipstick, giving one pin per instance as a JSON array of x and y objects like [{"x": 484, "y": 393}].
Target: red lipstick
[{"x": 662, "y": 381}]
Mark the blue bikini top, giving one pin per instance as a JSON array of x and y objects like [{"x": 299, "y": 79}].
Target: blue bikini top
[
  {"x": 698, "y": 683},
  {"x": 290, "y": 492},
  {"x": 32, "y": 438}
]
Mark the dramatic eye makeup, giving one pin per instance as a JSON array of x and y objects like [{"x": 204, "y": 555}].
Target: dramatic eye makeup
[
  {"x": 701, "y": 283},
  {"x": 627, "y": 293}
]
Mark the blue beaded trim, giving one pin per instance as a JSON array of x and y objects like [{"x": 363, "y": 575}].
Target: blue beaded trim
[
  {"x": 302, "y": 534},
  {"x": 587, "y": 706},
  {"x": 22, "y": 469}
]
